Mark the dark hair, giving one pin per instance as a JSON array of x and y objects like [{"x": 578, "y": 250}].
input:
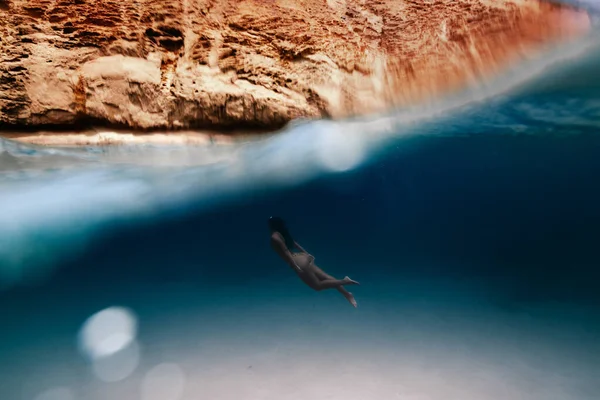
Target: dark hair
[{"x": 277, "y": 224}]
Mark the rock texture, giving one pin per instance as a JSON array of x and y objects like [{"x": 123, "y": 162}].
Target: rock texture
[{"x": 254, "y": 63}]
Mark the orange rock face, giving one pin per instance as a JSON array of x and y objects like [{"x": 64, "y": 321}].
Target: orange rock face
[{"x": 254, "y": 63}]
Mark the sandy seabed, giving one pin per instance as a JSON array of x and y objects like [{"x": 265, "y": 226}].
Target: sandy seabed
[{"x": 419, "y": 341}]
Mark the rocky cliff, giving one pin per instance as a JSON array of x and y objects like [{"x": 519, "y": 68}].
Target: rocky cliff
[{"x": 254, "y": 63}]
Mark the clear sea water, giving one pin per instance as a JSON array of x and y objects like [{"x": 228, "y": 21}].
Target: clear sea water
[{"x": 473, "y": 226}]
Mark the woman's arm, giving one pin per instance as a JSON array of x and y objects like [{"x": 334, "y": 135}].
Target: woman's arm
[{"x": 300, "y": 247}]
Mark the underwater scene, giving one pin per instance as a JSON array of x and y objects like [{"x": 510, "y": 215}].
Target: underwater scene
[{"x": 472, "y": 226}]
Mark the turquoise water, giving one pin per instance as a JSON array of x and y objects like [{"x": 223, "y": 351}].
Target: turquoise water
[{"x": 472, "y": 226}]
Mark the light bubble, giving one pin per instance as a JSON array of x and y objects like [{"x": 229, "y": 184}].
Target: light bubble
[
  {"x": 163, "y": 382},
  {"x": 340, "y": 151},
  {"x": 117, "y": 366},
  {"x": 107, "y": 332},
  {"x": 57, "y": 393}
]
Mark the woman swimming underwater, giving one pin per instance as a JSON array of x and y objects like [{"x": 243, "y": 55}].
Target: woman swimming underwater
[{"x": 303, "y": 263}]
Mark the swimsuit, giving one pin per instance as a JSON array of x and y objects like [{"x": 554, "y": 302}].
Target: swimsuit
[{"x": 306, "y": 261}]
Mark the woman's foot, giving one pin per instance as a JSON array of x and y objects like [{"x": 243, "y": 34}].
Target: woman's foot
[
  {"x": 351, "y": 300},
  {"x": 350, "y": 281}
]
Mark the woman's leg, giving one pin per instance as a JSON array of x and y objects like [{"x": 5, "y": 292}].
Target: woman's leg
[
  {"x": 308, "y": 275},
  {"x": 326, "y": 277},
  {"x": 321, "y": 284},
  {"x": 322, "y": 275}
]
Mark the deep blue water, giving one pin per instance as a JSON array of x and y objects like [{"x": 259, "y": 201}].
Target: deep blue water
[
  {"x": 517, "y": 208},
  {"x": 474, "y": 234}
]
